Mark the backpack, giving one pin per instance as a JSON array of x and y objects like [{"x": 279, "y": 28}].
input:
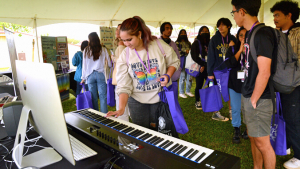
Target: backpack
[{"x": 286, "y": 74}]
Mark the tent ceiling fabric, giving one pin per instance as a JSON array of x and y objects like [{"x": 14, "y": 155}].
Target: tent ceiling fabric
[{"x": 102, "y": 12}]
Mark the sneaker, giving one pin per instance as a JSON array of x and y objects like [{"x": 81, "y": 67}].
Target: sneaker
[
  {"x": 230, "y": 114},
  {"x": 293, "y": 163},
  {"x": 245, "y": 135},
  {"x": 236, "y": 135},
  {"x": 217, "y": 116},
  {"x": 198, "y": 105},
  {"x": 288, "y": 151},
  {"x": 190, "y": 94},
  {"x": 183, "y": 96}
]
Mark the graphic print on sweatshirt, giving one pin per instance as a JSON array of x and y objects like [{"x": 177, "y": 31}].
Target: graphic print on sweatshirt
[
  {"x": 146, "y": 81},
  {"x": 223, "y": 49}
]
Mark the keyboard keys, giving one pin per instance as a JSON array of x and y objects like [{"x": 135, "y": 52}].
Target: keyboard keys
[
  {"x": 177, "y": 149},
  {"x": 183, "y": 149},
  {"x": 167, "y": 145},
  {"x": 175, "y": 146},
  {"x": 164, "y": 143},
  {"x": 189, "y": 152},
  {"x": 200, "y": 157},
  {"x": 193, "y": 154}
]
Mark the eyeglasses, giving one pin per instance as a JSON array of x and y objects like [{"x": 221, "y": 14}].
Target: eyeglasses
[{"x": 232, "y": 12}]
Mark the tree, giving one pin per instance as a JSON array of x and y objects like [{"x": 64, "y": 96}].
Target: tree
[{"x": 16, "y": 27}]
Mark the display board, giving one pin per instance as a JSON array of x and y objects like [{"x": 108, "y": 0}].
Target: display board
[
  {"x": 107, "y": 37},
  {"x": 55, "y": 51}
]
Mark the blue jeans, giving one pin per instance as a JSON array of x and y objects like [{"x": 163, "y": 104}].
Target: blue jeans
[
  {"x": 187, "y": 81},
  {"x": 291, "y": 114},
  {"x": 235, "y": 102},
  {"x": 79, "y": 87},
  {"x": 97, "y": 85}
]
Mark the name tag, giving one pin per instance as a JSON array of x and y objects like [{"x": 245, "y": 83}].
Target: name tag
[{"x": 240, "y": 74}]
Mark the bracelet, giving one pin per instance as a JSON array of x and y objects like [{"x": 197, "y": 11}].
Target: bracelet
[{"x": 168, "y": 77}]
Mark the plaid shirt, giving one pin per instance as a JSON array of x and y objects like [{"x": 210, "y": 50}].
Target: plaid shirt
[{"x": 294, "y": 37}]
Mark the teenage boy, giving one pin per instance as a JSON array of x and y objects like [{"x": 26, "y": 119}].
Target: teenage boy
[
  {"x": 166, "y": 31},
  {"x": 217, "y": 49},
  {"x": 257, "y": 105},
  {"x": 286, "y": 13}
]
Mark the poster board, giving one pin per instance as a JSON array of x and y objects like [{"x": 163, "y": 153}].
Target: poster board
[
  {"x": 107, "y": 37},
  {"x": 55, "y": 51}
]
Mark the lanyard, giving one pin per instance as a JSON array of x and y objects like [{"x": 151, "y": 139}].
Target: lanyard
[
  {"x": 148, "y": 69},
  {"x": 247, "y": 45},
  {"x": 223, "y": 39},
  {"x": 250, "y": 31}
]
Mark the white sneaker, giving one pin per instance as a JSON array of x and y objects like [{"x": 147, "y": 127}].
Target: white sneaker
[
  {"x": 230, "y": 114},
  {"x": 293, "y": 163},
  {"x": 190, "y": 94},
  {"x": 183, "y": 96}
]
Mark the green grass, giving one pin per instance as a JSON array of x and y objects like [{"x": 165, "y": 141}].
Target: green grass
[{"x": 206, "y": 132}]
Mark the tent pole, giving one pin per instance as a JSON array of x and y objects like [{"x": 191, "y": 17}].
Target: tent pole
[
  {"x": 195, "y": 30},
  {"x": 37, "y": 38}
]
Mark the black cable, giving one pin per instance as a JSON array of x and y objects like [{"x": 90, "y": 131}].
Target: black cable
[
  {"x": 6, "y": 139},
  {"x": 114, "y": 162},
  {"x": 107, "y": 163}
]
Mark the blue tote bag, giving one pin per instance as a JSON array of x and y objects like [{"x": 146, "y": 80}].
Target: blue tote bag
[
  {"x": 222, "y": 77},
  {"x": 167, "y": 96},
  {"x": 211, "y": 99},
  {"x": 111, "y": 101},
  {"x": 84, "y": 99},
  {"x": 278, "y": 133}
]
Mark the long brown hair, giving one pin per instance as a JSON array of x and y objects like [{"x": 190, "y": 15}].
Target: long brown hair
[
  {"x": 136, "y": 24},
  {"x": 94, "y": 46}
]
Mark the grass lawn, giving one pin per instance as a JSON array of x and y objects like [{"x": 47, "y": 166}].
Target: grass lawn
[{"x": 206, "y": 132}]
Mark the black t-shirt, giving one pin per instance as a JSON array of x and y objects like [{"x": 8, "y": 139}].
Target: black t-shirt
[{"x": 264, "y": 45}]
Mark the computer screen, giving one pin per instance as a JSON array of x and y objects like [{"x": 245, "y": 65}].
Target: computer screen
[{"x": 40, "y": 95}]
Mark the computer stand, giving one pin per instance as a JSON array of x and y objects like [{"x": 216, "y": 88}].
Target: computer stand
[{"x": 40, "y": 158}]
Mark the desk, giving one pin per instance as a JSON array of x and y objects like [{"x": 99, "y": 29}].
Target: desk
[{"x": 94, "y": 162}]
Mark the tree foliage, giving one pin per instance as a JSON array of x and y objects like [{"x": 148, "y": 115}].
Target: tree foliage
[{"x": 16, "y": 27}]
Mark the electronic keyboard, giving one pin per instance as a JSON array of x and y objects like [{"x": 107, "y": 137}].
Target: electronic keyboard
[{"x": 140, "y": 147}]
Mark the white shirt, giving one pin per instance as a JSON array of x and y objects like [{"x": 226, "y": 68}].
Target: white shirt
[{"x": 89, "y": 65}]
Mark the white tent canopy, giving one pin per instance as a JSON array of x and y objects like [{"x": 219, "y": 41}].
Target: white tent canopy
[{"x": 112, "y": 12}]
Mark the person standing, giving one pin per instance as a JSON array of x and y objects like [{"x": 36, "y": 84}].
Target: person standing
[
  {"x": 256, "y": 105},
  {"x": 184, "y": 47},
  {"x": 166, "y": 31},
  {"x": 217, "y": 49},
  {"x": 286, "y": 13},
  {"x": 236, "y": 62},
  {"x": 199, "y": 57},
  {"x": 93, "y": 65},
  {"x": 118, "y": 52},
  {"x": 141, "y": 66},
  {"x": 77, "y": 61}
]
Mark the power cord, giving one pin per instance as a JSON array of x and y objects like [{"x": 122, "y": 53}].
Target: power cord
[
  {"x": 114, "y": 162},
  {"x": 106, "y": 166}
]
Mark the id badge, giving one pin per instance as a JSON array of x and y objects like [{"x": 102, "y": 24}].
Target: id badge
[{"x": 241, "y": 74}]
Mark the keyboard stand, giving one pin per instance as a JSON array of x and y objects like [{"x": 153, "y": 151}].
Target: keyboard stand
[{"x": 38, "y": 159}]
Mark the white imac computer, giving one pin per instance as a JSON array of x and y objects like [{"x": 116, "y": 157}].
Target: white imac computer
[{"x": 40, "y": 97}]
